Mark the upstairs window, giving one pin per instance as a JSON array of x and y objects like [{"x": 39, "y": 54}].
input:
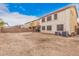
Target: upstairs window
[
  {"x": 55, "y": 16},
  {"x": 49, "y": 18},
  {"x": 43, "y": 19}
]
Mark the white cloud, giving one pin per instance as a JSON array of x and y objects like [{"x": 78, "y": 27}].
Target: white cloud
[
  {"x": 14, "y": 18},
  {"x": 17, "y": 19},
  {"x": 3, "y": 9}
]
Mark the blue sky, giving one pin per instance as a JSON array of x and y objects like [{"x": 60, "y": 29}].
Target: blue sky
[
  {"x": 20, "y": 13},
  {"x": 37, "y": 9}
]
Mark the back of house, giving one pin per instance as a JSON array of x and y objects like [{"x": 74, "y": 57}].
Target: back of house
[{"x": 63, "y": 21}]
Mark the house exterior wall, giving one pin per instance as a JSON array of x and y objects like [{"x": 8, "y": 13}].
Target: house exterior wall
[
  {"x": 73, "y": 20},
  {"x": 27, "y": 25},
  {"x": 63, "y": 17},
  {"x": 35, "y": 23}
]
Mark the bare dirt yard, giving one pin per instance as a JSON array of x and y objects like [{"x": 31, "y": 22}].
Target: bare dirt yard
[{"x": 37, "y": 44}]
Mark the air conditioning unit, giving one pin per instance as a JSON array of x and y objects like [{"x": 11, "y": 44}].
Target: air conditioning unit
[
  {"x": 64, "y": 33},
  {"x": 58, "y": 33}
]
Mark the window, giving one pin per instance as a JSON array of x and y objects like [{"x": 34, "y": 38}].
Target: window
[
  {"x": 49, "y": 27},
  {"x": 43, "y": 27},
  {"x": 43, "y": 19},
  {"x": 49, "y": 18},
  {"x": 55, "y": 16},
  {"x": 60, "y": 27}
]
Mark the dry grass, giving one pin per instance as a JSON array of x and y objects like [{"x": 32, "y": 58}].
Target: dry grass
[{"x": 29, "y": 43}]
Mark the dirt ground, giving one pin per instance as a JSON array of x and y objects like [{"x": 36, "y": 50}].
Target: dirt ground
[{"x": 37, "y": 44}]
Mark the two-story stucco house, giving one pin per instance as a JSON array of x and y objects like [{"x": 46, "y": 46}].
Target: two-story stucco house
[
  {"x": 33, "y": 25},
  {"x": 60, "y": 22}
]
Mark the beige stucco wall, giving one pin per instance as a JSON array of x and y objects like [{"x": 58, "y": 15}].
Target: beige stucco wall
[
  {"x": 73, "y": 20},
  {"x": 35, "y": 23},
  {"x": 27, "y": 25},
  {"x": 32, "y": 24}
]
